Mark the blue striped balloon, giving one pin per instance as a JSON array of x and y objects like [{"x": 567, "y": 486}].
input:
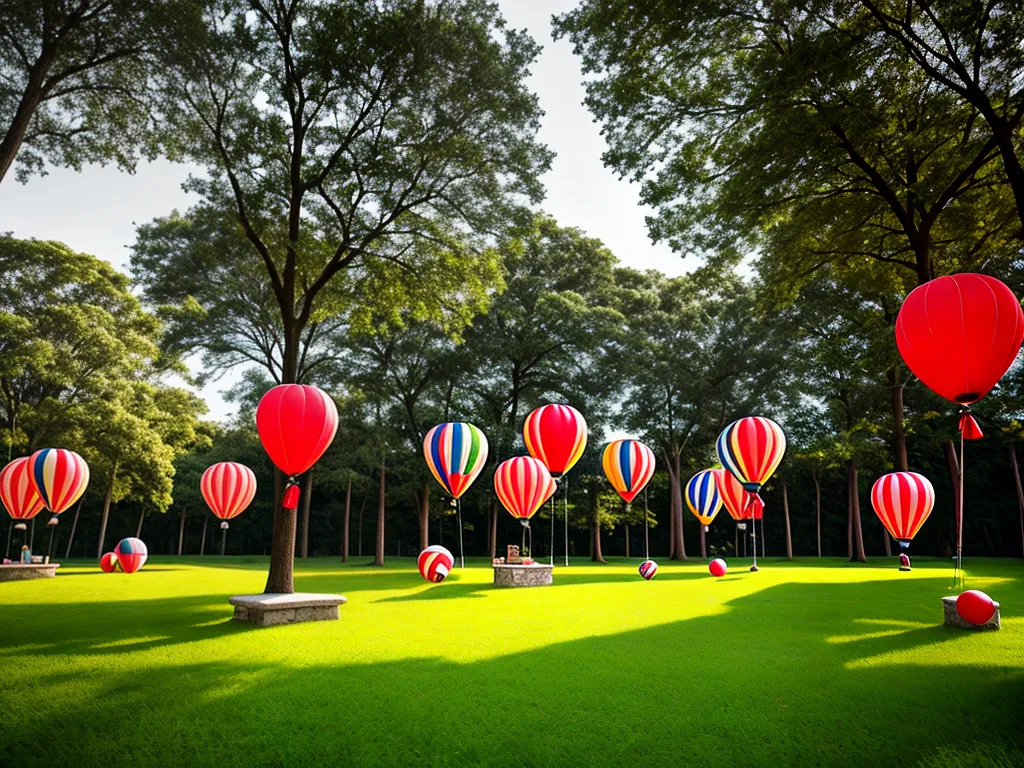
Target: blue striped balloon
[{"x": 702, "y": 496}]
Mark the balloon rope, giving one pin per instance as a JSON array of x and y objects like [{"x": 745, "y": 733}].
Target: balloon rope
[
  {"x": 567, "y": 521},
  {"x": 530, "y": 529},
  {"x": 958, "y": 572},
  {"x": 647, "y": 538},
  {"x": 753, "y": 532},
  {"x": 462, "y": 554},
  {"x": 554, "y": 522}
]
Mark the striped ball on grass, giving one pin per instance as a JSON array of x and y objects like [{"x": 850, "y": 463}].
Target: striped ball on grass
[
  {"x": 647, "y": 569},
  {"x": 435, "y": 563},
  {"x": 718, "y": 567},
  {"x": 108, "y": 563}
]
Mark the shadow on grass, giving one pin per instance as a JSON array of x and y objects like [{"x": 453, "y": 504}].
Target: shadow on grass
[{"x": 765, "y": 683}]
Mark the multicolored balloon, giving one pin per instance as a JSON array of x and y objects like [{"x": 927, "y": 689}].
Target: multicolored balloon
[
  {"x": 752, "y": 449},
  {"x": 557, "y": 435},
  {"x": 703, "y": 497},
  {"x": 131, "y": 554},
  {"x": 523, "y": 484},
  {"x": 435, "y": 563},
  {"x": 648, "y": 569},
  {"x": 228, "y": 488},
  {"x": 718, "y": 567},
  {"x": 903, "y": 501},
  {"x": 629, "y": 466},
  {"x": 59, "y": 476},
  {"x": 737, "y": 502},
  {"x": 17, "y": 491},
  {"x": 108, "y": 563},
  {"x": 456, "y": 453},
  {"x": 296, "y": 423}
]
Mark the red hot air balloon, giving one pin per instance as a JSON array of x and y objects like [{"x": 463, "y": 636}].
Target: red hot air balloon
[
  {"x": 17, "y": 491},
  {"x": 296, "y": 423},
  {"x": 228, "y": 487},
  {"x": 959, "y": 335},
  {"x": 60, "y": 477},
  {"x": 903, "y": 501},
  {"x": 557, "y": 435},
  {"x": 738, "y": 502},
  {"x": 523, "y": 484}
]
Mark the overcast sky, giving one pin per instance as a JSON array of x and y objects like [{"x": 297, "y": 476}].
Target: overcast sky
[{"x": 96, "y": 211}]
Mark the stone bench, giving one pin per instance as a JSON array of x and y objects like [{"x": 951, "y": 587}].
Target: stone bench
[
  {"x": 269, "y": 610},
  {"x": 25, "y": 571},
  {"x": 535, "y": 575},
  {"x": 952, "y": 619}
]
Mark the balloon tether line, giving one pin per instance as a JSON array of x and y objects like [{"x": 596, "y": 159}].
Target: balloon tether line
[
  {"x": 647, "y": 543},
  {"x": 462, "y": 552},
  {"x": 753, "y": 532},
  {"x": 566, "y": 497},
  {"x": 958, "y": 570},
  {"x": 553, "y": 523}
]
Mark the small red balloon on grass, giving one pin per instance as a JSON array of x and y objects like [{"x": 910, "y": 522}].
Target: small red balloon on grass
[
  {"x": 131, "y": 554},
  {"x": 717, "y": 567},
  {"x": 108, "y": 563},
  {"x": 975, "y": 607}
]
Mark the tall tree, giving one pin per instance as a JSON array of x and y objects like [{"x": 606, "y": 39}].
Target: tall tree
[{"x": 343, "y": 133}]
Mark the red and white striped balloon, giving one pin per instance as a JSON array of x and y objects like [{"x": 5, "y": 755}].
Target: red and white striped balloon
[
  {"x": 17, "y": 491},
  {"x": 903, "y": 501},
  {"x": 228, "y": 487},
  {"x": 523, "y": 484},
  {"x": 60, "y": 477},
  {"x": 435, "y": 563}
]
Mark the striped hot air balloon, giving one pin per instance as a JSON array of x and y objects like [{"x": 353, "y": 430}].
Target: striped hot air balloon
[
  {"x": 523, "y": 484},
  {"x": 628, "y": 465},
  {"x": 737, "y": 502},
  {"x": 60, "y": 477},
  {"x": 648, "y": 569},
  {"x": 903, "y": 501},
  {"x": 751, "y": 449},
  {"x": 228, "y": 487},
  {"x": 131, "y": 554},
  {"x": 435, "y": 563},
  {"x": 18, "y": 492},
  {"x": 703, "y": 497},
  {"x": 557, "y": 435},
  {"x": 456, "y": 452}
]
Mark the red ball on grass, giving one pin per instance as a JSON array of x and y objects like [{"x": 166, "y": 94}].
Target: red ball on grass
[
  {"x": 718, "y": 567},
  {"x": 975, "y": 607}
]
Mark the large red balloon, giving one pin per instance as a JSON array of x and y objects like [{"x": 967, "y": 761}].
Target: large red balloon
[
  {"x": 557, "y": 435},
  {"x": 296, "y": 423},
  {"x": 228, "y": 487},
  {"x": 960, "y": 334},
  {"x": 975, "y": 607}
]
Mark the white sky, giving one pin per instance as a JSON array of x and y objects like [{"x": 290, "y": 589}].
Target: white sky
[{"x": 96, "y": 211}]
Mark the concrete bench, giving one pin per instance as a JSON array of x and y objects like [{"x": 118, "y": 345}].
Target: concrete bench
[
  {"x": 952, "y": 619},
  {"x": 272, "y": 609},
  {"x": 25, "y": 571},
  {"x": 535, "y": 575}
]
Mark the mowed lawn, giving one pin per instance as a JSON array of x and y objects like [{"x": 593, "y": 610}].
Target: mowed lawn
[{"x": 815, "y": 663}]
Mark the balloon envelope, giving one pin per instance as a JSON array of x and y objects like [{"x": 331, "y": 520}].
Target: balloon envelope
[
  {"x": 296, "y": 423},
  {"x": 737, "y": 502},
  {"x": 975, "y": 607},
  {"x": 628, "y": 465},
  {"x": 435, "y": 563},
  {"x": 18, "y": 492},
  {"x": 60, "y": 477},
  {"x": 131, "y": 554},
  {"x": 108, "y": 563},
  {"x": 456, "y": 453},
  {"x": 751, "y": 449},
  {"x": 523, "y": 484},
  {"x": 703, "y": 497},
  {"x": 903, "y": 501},
  {"x": 228, "y": 487},
  {"x": 959, "y": 334},
  {"x": 557, "y": 435}
]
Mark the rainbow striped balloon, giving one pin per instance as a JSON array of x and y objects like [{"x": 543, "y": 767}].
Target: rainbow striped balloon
[
  {"x": 456, "y": 453},
  {"x": 702, "y": 496},
  {"x": 131, "y": 554},
  {"x": 648, "y": 569},
  {"x": 435, "y": 563},
  {"x": 628, "y": 465},
  {"x": 903, "y": 501},
  {"x": 228, "y": 488},
  {"x": 557, "y": 435},
  {"x": 60, "y": 477},
  {"x": 751, "y": 449},
  {"x": 17, "y": 491},
  {"x": 523, "y": 484}
]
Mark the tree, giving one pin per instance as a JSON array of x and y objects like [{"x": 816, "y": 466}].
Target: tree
[
  {"x": 343, "y": 133},
  {"x": 76, "y": 79}
]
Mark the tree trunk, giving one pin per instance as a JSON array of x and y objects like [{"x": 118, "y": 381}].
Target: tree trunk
[
  {"x": 899, "y": 432},
  {"x": 27, "y": 106},
  {"x": 280, "y": 578},
  {"x": 671, "y": 529},
  {"x": 138, "y": 529},
  {"x": 595, "y": 526},
  {"x": 785, "y": 515},
  {"x": 381, "y": 506},
  {"x": 181, "y": 532},
  {"x": 857, "y": 543},
  {"x": 493, "y": 534},
  {"x": 954, "y": 477},
  {"x": 817, "y": 504},
  {"x": 74, "y": 525},
  {"x": 31, "y": 533},
  {"x": 345, "y": 521},
  {"x": 626, "y": 527},
  {"x": 703, "y": 541},
  {"x": 885, "y": 541},
  {"x": 106, "y": 510},
  {"x": 676, "y": 490},
  {"x": 307, "y": 495},
  {"x": 362, "y": 508},
  {"x": 202, "y": 544},
  {"x": 423, "y": 502},
  {"x": 1020, "y": 492}
]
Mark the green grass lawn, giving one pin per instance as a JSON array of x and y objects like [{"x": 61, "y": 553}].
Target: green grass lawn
[{"x": 814, "y": 663}]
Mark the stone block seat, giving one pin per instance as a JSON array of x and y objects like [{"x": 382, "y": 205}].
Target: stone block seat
[
  {"x": 952, "y": 619},
  {"x": 536, "y": 575},
  {"x": 269, "y": 610},
  {"x": 25, "y": 571}
]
